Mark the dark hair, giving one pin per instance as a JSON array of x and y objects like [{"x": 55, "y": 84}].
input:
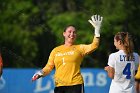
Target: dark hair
[
  {"x": 127, "y": 41},
  {"x": 68, "y": 27}
]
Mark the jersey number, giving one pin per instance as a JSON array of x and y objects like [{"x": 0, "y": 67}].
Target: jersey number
[
  {"x": 127, "y": 71},
  {"x": 63, "y": 61}
]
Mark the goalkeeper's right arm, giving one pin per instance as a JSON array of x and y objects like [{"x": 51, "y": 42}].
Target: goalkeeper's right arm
[{"x": 45, "y": 71}]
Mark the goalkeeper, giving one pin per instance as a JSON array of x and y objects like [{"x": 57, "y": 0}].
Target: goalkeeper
[{"x": 67, "y": 59}]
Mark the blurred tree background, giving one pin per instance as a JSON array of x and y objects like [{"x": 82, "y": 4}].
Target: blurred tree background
[{"x": 30, "y": 29}]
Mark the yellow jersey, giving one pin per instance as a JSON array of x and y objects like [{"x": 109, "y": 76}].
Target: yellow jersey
[
  {"x": 67, "y": 61},
  {"x": 137, "y": 76}
]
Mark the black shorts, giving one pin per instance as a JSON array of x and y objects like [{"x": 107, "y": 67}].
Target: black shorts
[
  {"x": 70, "y": 89},
  {"x": 137, "y": 80}
]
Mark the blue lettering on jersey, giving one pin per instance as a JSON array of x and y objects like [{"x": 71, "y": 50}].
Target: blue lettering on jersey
[{"x": 124, "y": 58}]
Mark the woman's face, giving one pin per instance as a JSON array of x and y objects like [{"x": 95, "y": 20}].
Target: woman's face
[
  {"x": 116, "y": 43},
  {"x": 70, "y": 34}
]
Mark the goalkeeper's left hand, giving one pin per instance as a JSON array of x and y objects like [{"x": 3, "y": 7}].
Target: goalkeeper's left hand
[{"x": 96, "y": 21}]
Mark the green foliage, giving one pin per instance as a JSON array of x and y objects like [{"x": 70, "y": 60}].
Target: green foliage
[
  {"x": 30, "y": 29},
  {"x": 17, "y": 37},
  {"x": 59, "y": 22}
]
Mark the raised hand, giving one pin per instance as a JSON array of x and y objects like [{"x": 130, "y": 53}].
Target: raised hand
[{"x": 96, "y": 21}]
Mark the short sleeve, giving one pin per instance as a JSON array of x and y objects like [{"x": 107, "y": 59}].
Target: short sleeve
[
  {"x": 111, "y": 60},
  {"x": 137, "y": 60}
]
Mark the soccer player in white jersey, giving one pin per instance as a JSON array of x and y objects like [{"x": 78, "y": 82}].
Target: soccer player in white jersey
[{"x": 122, "y": 65}]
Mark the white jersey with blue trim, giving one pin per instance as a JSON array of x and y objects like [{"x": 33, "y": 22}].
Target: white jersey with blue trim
[{"x": 124, "y": 81}]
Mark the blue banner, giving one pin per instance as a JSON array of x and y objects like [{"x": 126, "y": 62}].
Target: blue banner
[{"x": 19, "y": 81}]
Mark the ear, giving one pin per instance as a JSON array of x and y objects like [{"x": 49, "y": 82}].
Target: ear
[
  {"x": 120, "y": 42},
  {"x": 63, "y": 33}
]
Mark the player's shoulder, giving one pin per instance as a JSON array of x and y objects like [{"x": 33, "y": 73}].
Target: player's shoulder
[
  {"x": 136, "y": 54},
  {"x": 119, "y": 52},
  {"x": 114, "y": 54},
  {"x": 62, "y": 47},
  {"x": 80, "y": 45}
]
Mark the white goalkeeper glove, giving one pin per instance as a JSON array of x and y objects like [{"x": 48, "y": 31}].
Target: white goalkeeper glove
[
  {"x": 96, "y": 21},
  {"x": 37, "y": 75}
]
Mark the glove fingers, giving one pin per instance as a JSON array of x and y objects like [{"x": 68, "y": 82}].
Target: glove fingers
[
  {"x": 90, "y": 21},
  {"x": 35, "y": 77},
  {"x": 101, "y": 19},
  {"x": 93, "y": 18},
  {"x": 98, "y": 18}
]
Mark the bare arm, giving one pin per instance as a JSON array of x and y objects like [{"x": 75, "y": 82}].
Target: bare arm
[{"x": 110, "y": 71}]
